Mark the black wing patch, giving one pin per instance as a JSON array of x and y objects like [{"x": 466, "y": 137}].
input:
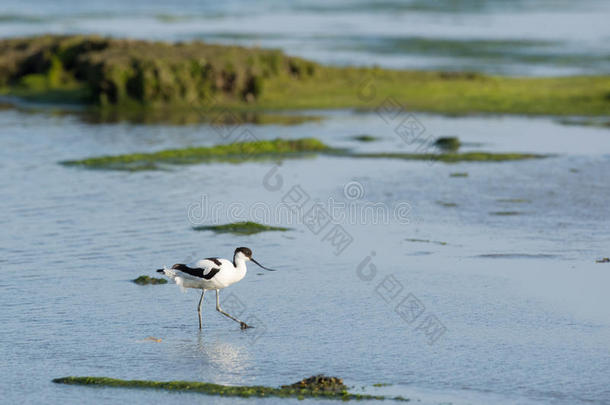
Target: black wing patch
[
  {"x": 195, "y": 271},
  {"x": 215, "y": 260},
  {"x": 211, "y": 274}
]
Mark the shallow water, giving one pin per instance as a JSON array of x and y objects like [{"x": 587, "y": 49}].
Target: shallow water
[
  {"x": 502, "y": 256},
  {"x": 535, "y": 37},
  {"x": 522, "y": 299}
]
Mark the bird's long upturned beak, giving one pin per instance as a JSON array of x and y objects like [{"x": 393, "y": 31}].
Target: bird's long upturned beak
[{"x": 260, "y": 265}]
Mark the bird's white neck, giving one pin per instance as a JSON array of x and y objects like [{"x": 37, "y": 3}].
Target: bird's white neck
[{"x": 239, "y": 261}]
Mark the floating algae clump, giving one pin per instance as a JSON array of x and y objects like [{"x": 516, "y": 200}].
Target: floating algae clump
[
  {"x": 270, "y": 149},
  {"x": 240, "y": 228},
  {"x": 146, "y": 280},
  {"x": 448, "y": 144},
  {"x": 308, "y": 391},
  {"x": 233, "y": 153}
]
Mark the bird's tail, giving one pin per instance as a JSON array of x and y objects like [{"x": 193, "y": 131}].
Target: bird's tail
[{"x": 172, "y": 274}]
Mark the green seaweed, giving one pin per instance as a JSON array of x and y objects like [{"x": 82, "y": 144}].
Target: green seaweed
[
  {"x": 232, "y": 153},
  {"x": 146, "y": 280},
  {"x": 270, "y": 149},
  {"x": 222, "y": 390},
  {"x": 445, "y": 157},
  {"x": 240, "y": 228},
  {"x": 458, "y": 174},
  {"x": 110, "y": 72}
]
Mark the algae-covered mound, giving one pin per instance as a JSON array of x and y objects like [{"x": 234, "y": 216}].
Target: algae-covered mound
[
  {"x": 240, "y": 228},
  {"x": 146, "y": 280},
  {"x": 123, "y": 71},
  {"x": 119, "y": 73},
  {"x": 233, "y": 153},
  {"x": 290, "y": 391},
  {"x": 319, "y": 383}
]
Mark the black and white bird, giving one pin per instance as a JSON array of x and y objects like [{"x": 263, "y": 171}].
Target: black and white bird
[{"x": 213, "y": 274}]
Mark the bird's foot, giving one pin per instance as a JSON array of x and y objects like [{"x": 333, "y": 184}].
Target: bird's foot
[{"x": 244, "y": 325}]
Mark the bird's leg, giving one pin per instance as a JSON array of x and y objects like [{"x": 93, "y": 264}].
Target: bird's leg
[
  {"x": 199, "y": 307},
  {"x": 242, "y": 325}
]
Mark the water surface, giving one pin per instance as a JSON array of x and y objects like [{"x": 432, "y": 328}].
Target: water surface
[
  {"x": 524, "y": 303},
  {"x": 536, "y": 37}
]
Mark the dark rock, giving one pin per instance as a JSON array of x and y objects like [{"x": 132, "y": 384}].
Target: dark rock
[{"x": 319, "y": 383}]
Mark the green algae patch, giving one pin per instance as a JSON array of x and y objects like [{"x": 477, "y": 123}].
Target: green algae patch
[
  {"x": 256, "y": 391},
  {"x": 240, "y": 228},
  {"x": 146, "y": 280},
  {"x": 458, "y": 174},
  {"x": 438, "y": 92},
  {"x": 448, "y": 157},
  {"x": 268, "y": 150},
  {"x": 231, "y": 153},
  {"x": 110, "y": 72}
]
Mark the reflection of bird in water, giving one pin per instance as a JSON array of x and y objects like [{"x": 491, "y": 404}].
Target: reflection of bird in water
[
  {"x": 213, "y": 274},
  {"x": 214, "y": 356},
  {"x": 225, "y": 356}
]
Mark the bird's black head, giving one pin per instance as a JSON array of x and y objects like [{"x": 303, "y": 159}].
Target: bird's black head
[
  {"x": 248, "y": 256},
  {"x": 246, "y": 251}
]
